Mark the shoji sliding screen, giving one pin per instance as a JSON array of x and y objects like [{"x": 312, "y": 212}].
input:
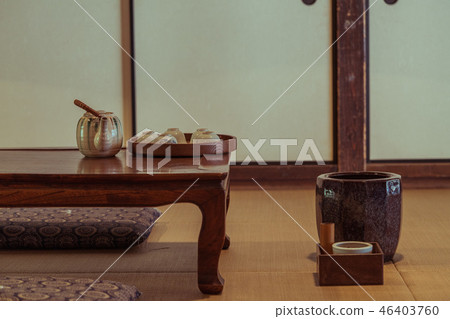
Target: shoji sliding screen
[
  {"x": 256, "y": 69},
  {"x": 52, "y": 52},
  {"x": 410, "y": 80}
]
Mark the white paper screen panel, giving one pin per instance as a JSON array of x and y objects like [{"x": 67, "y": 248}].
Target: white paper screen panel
[
  {"x": 410, "y": 80},
  {"x": 51, "y": 52},
  {"x": 226, "y": 62}
]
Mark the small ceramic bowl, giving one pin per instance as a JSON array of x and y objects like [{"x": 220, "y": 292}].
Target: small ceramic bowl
[
  {"x": 352, "y": 247},
  {"x": 206, "y": 137},
  {"x": 179, "y": 136},
  {"x": 197, "y": 133}
]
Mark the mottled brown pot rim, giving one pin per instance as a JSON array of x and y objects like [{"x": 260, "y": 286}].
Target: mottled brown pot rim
[{"x": 359, "y": 176}]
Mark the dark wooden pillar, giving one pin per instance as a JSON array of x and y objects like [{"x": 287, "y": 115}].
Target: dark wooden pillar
[{"x": 351, "y": 54}]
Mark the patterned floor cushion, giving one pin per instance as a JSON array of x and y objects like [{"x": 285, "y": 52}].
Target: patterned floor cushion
[
  {"x": 43, "y": 288},
  {"x": 71, "y": 228}
]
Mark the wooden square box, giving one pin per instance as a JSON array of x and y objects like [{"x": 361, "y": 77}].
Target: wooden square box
[{"x": 366, "y": 269}]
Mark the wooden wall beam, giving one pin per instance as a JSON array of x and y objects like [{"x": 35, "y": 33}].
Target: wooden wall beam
[
  {"x": 126, "y": 39},
  {"x": 351, "y": 57}
]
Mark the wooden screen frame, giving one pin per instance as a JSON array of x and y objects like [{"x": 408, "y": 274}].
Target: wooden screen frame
[{"x": 351, "y": 112}]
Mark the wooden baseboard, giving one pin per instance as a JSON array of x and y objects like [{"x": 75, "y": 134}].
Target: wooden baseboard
[
  {"x": 304, "y": 173},
  {"x": 413, "y": 170},
  {"x": 417, "y": 175},
  {"x": 414, "y": 175}
]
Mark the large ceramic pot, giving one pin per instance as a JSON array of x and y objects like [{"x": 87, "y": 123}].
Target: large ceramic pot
[{"x": 364, "y": 206}]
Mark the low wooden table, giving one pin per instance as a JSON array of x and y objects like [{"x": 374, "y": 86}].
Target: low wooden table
[{"x": 65, "y": 178}]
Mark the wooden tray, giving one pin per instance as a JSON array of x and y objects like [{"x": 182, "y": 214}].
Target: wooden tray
[
  {"x": 226, "y": 145},
  {"x": 366, "y": 269}
]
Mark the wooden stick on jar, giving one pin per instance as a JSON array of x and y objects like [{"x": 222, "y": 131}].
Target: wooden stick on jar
[
  {"x": 327, "y": 236},
  {"x": 86, "y": 107}
]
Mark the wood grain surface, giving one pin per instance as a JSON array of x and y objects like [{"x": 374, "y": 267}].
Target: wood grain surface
[
  {"x": 351, "y": 83},
  {"x": 65, "y": 178}
]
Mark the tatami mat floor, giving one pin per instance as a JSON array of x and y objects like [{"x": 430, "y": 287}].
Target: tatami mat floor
[{"x": 270, "y": 257}]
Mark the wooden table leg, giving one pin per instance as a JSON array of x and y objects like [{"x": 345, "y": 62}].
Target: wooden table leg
[
  {"x": 227, "y": 242},
  {"x": 210, "y": 243}
]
